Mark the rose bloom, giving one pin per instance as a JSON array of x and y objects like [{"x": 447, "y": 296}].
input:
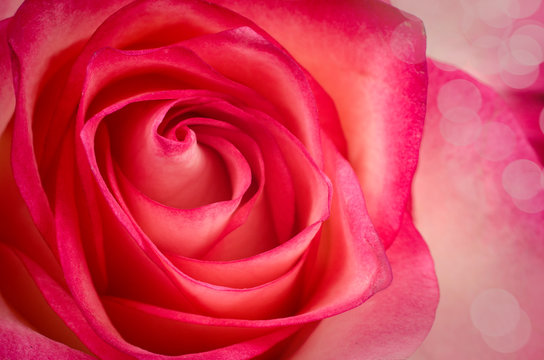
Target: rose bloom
[{"x": 235, "y": 180}]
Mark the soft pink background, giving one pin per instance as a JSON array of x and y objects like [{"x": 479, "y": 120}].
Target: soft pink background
[{"x": 479, "y": 193}]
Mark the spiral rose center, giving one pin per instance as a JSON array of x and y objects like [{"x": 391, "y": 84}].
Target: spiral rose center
[{"x": 175, "y": 168}]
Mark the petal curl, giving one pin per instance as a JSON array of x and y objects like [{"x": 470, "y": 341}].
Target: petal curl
[
  {"x": 20, "y": 341},
  {"x": 394, "y": 322},
  {"x": 49, "y": 310},
  {"x": 371, "y": 60},
  {"x": 45, "y": 39}
]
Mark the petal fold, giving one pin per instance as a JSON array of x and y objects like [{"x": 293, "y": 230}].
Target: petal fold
[
  {"x": 391, "y": 324},
  {"x": 370, "y": 59}
]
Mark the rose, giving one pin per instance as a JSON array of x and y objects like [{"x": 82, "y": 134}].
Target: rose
[
  {"x": 61, "y": 215},
  {"x": 195, "y": 189},
  {"x": 442, "y": 231}
]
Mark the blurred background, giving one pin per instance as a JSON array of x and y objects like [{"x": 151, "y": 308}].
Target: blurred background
[
  {"x": 499, "y": 41},
  {"x": 488, "y": 252}
]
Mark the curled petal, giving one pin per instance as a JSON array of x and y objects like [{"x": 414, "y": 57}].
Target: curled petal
[
  {"x": 387, "y": 326},
  {"x": 376, "y": 76}
]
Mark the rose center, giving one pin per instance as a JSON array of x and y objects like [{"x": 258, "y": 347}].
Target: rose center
[{"x": 168, "y": 163}]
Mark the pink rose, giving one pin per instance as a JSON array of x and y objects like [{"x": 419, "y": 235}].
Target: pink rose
[{"x": 182, "y": 179}]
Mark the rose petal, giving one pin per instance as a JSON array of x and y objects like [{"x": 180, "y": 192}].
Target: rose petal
[
  {"x": 231, "y": 304},
  {"x": 394, "y": 322},
  {"x": 249, "y": 272},
  {"x": 185, "y": 232},
  {"x": 248, "y": 58},
  {"x": 328, "y": 117},
  {"x": 286, "y": 161},
  {"x": 7, "y": 96},
  {"x": 41, "y": 81},
  {"x": 136, "y": 276},
  {"x": 64, "y": 305},
  {"x": 172, "y": 231},
  {"x": 16, "y": 225},
  {"x": 160, "y": 330},
  {"x": 18, "y": 289},
  {"x": 379, "y": 97},
  {"x": 356, "y": 267},
  {"x": 281, "y": 258},
  {"x": 33, "y": 50},
  {"x": 175, "y": 173},
  {"x": 57, "y": 316},
  {"x": 78, "y": 277},
  {"x": 120, "y": 64},
  {"x": 487, "y": 247},
  {"x": 19, "y": 341},
  {"x": 358, "y": 262},
  {"x": 52, "y": 116}
]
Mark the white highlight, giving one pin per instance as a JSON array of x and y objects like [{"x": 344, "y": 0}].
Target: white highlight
[
  {"x": 484, "y": 52},
  {"x": 521, "y": 179},
  {"x": 495, "y": 312},
  {"x": 518, "y": 9},
  {"x": 525, "y": 49},
  {"x": 513, "y": 340},
  {"x": 459, "y": 93},
  {"x": 404, "y": 47},
  {"x": 492, "y": 13}
]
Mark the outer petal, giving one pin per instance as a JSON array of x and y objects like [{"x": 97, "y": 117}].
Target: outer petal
[
  {"x": 7, "y": 96},
  {"x": 19, "y": 341},
  {"x": 370, "y": 59},
  {"x": 27, "y": 325},
  {"x": 480, "y": 208},
  {"x": 394, "y": 322},
  {"x": 31, "y": 327},
  {"x": 45, "y": 39}
]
